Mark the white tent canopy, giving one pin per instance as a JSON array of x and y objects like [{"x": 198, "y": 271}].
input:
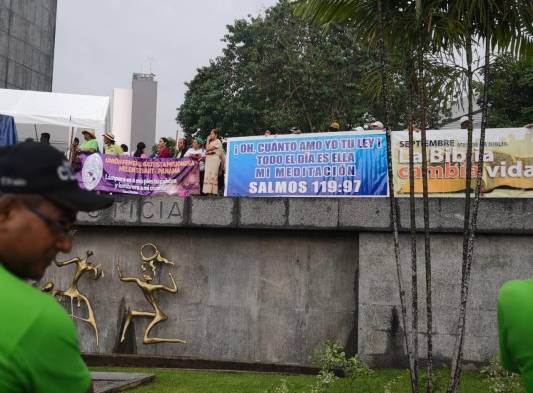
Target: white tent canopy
[{"x": 67, "y": 110}]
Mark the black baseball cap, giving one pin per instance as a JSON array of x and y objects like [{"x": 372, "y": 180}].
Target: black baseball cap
[{"x": 36, "y": 168}]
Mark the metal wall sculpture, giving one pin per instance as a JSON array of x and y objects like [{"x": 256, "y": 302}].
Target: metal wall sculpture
[
  {"x": 156, "y": 257},
  {"x": 149, "y": 291},
  {"x": 73, "y": 292}
]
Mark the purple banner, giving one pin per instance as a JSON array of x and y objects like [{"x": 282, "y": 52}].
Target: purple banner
[{"x": 139, "y": 176}]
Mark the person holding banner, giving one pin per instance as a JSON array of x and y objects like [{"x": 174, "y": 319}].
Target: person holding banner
[
  {"x": 109, "y": 145},
  {"x": 162, "y": 149},
  {"x": 214, "y": 162},
  {"x": 197, "y": 153},
  {"x": 181, "y": 148},
  {"x": 377, "y": 126},
  {"x": 90, "y": 145},
  {"x": 139, "y": 152},
  {"x": 334, "y": 127}
]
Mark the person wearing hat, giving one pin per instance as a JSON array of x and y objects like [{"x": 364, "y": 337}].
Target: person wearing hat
[
  {"x": 376, "y": 125},
  {"x": 91, "y": 144},
  {"x": 109, "y": 145},
  {"x": 39, "y": 200},
  {"x": 334, "y": 127},
  {"x": 295, "y": 130},
  {"x": 465, "y": 123}
]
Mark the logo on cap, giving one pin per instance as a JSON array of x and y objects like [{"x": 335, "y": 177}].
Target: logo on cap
[{"x": 65, "y": 172}]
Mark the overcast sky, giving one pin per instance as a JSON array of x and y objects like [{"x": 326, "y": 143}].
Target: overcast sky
[{"x": 100, "y": 43}]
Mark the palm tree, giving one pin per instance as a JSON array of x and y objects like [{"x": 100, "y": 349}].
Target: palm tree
[
  {"x": 441, "y": 26},
  {"x": 359, "y": 13},
  {"x": 422, "y": 47},
  {"x": 506, "y": 25}
]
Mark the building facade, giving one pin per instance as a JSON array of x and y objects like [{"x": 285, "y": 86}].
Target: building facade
[
  {"x": 27, "y": 40},
  {"x": 143, "y": 109}
]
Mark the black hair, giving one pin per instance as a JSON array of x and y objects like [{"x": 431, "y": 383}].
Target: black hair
[
  {"x": 181, "y": 153},
  {"x": 124, "y": 148},
  {"x": 45, "y": 138},
  {"x": 140, "y": 149}
]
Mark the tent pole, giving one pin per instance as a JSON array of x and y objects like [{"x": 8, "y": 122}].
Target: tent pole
[
  {"x": 69, "y": 147},
  {"x": 36, "y": 136}
]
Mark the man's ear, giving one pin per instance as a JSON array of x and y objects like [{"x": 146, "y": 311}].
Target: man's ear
[{"x": 7, "y": 203}]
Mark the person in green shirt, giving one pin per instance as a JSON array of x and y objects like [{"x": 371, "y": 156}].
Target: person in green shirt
[
  {"x": 515, "y": 323},
  {"x": 110, "y": 147},
  {"x": 39, "y": 200},
  {"x": 90, "y": 145}
]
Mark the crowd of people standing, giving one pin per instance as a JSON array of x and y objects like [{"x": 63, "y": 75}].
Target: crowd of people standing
[
  {"x": 335, "y": 127},
  {"x": 209, "y": 154}
]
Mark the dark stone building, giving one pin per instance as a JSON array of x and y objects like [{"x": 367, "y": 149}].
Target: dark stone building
[
  {"x": 27, "y": 39},
  {"x": 143, "y": 108}
]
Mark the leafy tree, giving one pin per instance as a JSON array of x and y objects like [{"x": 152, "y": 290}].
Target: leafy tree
[
  {"x": 277, "y": 71},
  {"x": 511, "y": 92}
]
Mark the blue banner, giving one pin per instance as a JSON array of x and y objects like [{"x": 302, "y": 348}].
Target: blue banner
[
  {"x": 340, "y": 164},
  {"x": 8, "y": 131}
]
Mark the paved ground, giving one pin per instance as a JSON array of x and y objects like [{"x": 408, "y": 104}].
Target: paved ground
[{"x": 116, "y": 382}]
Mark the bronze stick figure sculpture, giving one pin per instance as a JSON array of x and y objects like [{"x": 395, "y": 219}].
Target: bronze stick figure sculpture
[
  {"x": 158, "y": 315},
  {"x": 156, "y": 257},
  {"x": 73, "y": 292}
]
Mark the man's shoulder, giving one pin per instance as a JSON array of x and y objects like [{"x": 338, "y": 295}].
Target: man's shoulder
[
  {"x": 517, "y": 286},
  {"x": 38, "y": 305},
  {"x": 21, "y": 293},
  {"x": 27, "y": 309},
  {"x": 516, "y": 290}
]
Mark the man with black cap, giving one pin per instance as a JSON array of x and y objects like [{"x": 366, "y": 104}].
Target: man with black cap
[{"x": 39, "y": 199}]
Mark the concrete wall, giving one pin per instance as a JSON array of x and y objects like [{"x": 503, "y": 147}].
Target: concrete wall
[
  {"x": 27, "y": 40},
  {"x": 268, "y": 279},
  {"x": 497, "y": 259},
  {"x": 259, "y": 296}
]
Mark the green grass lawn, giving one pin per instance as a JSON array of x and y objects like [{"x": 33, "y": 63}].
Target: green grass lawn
[{"x": 186, "y": 381}]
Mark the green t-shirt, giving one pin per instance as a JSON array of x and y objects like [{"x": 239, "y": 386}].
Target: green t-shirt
[
  {"x": 114, "y": 150},
  {"x": 88, "y": 145},
  {"x": 39, "y": 350},
  {"x": 515, "y": 321}
]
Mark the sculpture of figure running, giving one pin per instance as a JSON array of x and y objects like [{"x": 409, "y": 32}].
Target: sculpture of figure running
[
  {"x": 158, "y": 315},
  {"x": 157, "y": 257},
  {"x": 73, "y": 292}
]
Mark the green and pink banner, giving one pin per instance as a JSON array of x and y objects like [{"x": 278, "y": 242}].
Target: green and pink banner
[{"x": 139, "y": 176}]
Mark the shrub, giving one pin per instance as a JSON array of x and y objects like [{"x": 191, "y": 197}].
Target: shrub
[{"x": 501, "y": 381}]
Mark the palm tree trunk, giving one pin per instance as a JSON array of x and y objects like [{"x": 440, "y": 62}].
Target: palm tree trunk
[
  {"x": 454, "y": 384},
  {"x": 456, "y": 365},
  {"x": 414, "y": 269},
  {"x": 427, "y": 244},
  {"x": 393, "y": 202},
  {"x": 427, "y": 239}
]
